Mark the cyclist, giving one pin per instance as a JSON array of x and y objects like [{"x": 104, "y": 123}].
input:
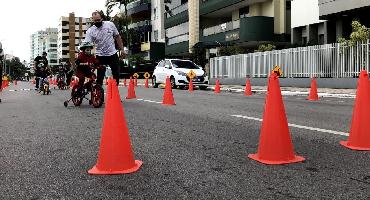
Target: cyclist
[{"x": 85, "y": 62}]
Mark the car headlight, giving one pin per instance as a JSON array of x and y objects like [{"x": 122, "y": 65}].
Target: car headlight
[{"x": 181, "y": 73}]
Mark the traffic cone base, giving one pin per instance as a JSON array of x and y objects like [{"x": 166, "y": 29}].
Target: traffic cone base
[
  {"x": 96, "y": 171},
  {"x": 348, "y": 145},
  {"x": 279, "y": 162}
]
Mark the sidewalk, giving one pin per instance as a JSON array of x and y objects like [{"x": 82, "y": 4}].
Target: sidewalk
[
  {"x": 294, "y": 91},
  {"x": 287, "y": 91}
]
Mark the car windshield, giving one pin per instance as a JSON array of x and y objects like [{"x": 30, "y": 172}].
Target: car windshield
[{"x": 184, "y": 64}]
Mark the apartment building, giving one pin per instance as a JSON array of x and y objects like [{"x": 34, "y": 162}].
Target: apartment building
[
  {"x": 71, "y": 32},
  {"x": 325, "y": 21},
  {"x": 146, "y": 29},
  {"x": 44, "y": 41},
  {"x": 215, "y": 23}
]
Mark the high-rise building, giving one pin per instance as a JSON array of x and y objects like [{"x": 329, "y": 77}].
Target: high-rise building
[
  {"x": 44, "y": 41},
  {"x": 71, "y": 32}
]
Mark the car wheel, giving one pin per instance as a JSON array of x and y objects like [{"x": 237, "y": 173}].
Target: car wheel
[
  {"x": 182, "y": 87},
  {"x": 155, "y": 84},
  {"x": 203, "y": 87}
]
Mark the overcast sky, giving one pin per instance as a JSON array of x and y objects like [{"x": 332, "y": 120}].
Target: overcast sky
[{"x": 21, "y": 18}]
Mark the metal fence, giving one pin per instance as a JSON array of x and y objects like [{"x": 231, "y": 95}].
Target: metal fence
[{"x": 325, "y": 61}]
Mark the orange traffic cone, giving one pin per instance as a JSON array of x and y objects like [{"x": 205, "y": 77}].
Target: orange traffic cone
[
  {"x": 275, "y": 146},
  {"x": 124, "y": 82},
  {"x": 131, "y": 90},
  {"x": 168, "y": 95},
  {"x": 146, "y": 83},
  {"x": 359, "y": 136},
  {"x": 248, "y": 88},
  {"x": 191, "y": 86},
  {"x": 115, "y": 152},
  {"x": 313, "y": 96},
  {"x": 217, "y": 88},
  {"x": 135, "y": 82}
]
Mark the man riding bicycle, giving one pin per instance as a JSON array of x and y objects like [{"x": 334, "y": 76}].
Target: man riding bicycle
[{"x": 41, "y": 68}]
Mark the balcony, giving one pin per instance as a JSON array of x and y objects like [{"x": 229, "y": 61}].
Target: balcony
[
  {"x": 209, "y": 6},
  {"x": 176, "y": 16},
  {"x": 221, "y": 28},
  {"x": 246, "y": 29},
  {"x": 138, "y": 7},
  {"x": 145, "y": 25},
  {"x": 177, "y": 49},
  {"x": 330, "y": 7}
]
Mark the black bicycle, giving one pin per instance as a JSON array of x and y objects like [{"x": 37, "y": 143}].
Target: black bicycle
[{"x": 79, "y": 93}]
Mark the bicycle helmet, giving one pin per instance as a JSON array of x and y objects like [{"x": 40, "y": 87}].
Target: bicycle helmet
[{"x": 85, "y": 45}]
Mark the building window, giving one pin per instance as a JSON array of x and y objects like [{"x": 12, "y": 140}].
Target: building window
[
  {"x": 244, "y": 12},
  {"x": 177, "y": 30},
  {"x": 156, "y": 35},
  {"x": 321, "y": 39},
  {"x": 155, "y": 13},
  {"x": 53, "y": 45},
  {"x": 65, "y": 23},
  {"x": 65, "y": 37},
  {"x": 304, "y": 40}
]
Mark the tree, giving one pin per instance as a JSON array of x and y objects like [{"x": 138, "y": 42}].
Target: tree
[
  {"x": 265, "y": 47},
  {"x": 198, "y": 56},
  {"x": 231, "y": 50},
  {"x": 110, "y": 4},
  {"x": 359, "y": 33},
  {"x": 17, "y": 68}
]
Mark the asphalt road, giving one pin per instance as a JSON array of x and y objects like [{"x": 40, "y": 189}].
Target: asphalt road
[{"x": 195, "y": 150}]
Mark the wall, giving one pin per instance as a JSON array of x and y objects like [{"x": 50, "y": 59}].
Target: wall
[
  {"x": 328, "y": 7},
  {"x": 158, "y": 23},
  {"x": 305, "y": 12},
  {"x": 340, "y": 83}
]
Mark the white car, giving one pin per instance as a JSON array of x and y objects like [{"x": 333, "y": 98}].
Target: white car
[{"x": 177, "y": 71}]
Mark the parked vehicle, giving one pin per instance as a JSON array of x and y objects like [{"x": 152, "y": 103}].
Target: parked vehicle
[{"x": 177, "y": 70}]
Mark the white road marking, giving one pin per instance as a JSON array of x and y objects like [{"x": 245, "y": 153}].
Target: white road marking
[
  {"x": 298, "y": 126},
  {"x": 149, "y": 101}
]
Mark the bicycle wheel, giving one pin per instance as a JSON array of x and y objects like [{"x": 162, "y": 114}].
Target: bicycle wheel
[
  {"x": 76, "y": 95},
  {"x": 97, "y": 96}
]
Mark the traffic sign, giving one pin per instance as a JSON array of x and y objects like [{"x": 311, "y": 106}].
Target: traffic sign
[
  {"x": 278, "y": 71},
  {"x": 191, "y": 74},
  {"x": 146, "y": 75},
  {"x": 136, "y": 75}
]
